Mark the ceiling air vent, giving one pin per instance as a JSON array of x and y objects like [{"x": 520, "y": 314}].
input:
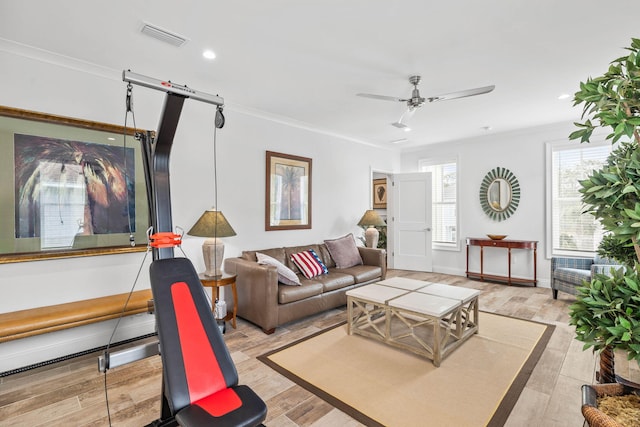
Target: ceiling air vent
[{"x": 163, "y": 35}]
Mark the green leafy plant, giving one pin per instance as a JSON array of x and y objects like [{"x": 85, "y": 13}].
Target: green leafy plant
[
  {"x": 612, "y": 193},
  {"x": 610, "y": 247},
  {"x": 613, "y": 99},
  {"x": 606, "y": 313}
]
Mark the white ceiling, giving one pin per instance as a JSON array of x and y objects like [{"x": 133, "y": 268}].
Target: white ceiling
[{"x": 303, "y": 61}]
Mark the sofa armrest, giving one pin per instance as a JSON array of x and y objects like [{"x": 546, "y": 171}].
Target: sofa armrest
[
  {"x": 257, "y": 288},
  {"x": 375, "y": 257}
]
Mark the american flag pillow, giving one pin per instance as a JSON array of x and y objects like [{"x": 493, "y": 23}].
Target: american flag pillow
[{"x": 309, "y": 263}]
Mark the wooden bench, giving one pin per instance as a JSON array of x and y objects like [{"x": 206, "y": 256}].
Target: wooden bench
[{"x": 40, "y": 320}]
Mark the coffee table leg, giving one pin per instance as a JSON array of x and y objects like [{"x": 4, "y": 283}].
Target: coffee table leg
[
  {"x": 476, "y": 319},
  {"x": 349, "y": 315},
  {"x": 436, "y": 342}
]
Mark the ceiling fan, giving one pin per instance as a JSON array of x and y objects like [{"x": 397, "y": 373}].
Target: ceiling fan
[{"x": 416, "y": 101}]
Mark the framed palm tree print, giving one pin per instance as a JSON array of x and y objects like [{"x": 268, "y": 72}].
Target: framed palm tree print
[{"x": 288, "y": 192}]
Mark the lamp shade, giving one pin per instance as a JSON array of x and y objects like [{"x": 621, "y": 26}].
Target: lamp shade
[
  {"x": 371, "y": 218},
  {"x": 212, "y": 223}
]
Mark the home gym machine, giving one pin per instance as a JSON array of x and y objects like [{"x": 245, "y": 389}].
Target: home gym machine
[{"x": 200, "y": 382}]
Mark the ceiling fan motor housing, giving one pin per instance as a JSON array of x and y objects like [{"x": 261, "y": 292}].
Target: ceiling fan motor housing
[{"x": 416, "y": 100}]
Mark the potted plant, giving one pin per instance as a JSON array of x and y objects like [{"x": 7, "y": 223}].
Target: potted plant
[{"x": 607, "y": 311}]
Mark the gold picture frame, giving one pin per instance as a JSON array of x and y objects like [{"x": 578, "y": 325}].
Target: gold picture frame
[
  {"x": 380, "y": 193},
  {"x": 288, "y": 192},
  {"x": 50, "y": 160}
]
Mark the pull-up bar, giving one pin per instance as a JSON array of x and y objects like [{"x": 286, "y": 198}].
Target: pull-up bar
[{"x": 170, "y": 87}]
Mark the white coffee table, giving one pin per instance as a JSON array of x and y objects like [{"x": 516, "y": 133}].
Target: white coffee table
[
  {"x": 367, "y": 309},
  {"x": 429, "y": 319}
]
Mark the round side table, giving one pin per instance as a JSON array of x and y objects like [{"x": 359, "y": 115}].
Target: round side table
[{"x": 217, "y": 282}]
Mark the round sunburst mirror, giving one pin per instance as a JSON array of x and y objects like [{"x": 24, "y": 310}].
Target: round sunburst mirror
[{"x": 499, "y": 194}]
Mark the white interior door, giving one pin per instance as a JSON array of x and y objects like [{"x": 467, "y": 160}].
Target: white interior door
[{"x": 411, "y": 218}]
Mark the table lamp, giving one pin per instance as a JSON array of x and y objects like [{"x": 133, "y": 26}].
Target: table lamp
[
  {"x": 372, "y": 220},
  {"x": 212, "y": 224}
]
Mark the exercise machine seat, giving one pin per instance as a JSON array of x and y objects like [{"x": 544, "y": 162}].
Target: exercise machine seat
[{"x": 200, "y": 378}]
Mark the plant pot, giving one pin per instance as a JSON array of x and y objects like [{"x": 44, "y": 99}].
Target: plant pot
[{"x": 590, "y": 393}]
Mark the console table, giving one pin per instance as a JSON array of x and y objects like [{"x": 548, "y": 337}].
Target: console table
[{"x": 508, "y": 244}]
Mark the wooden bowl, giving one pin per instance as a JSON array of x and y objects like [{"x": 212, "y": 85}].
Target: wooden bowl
[{"x": 496, "y": 236}]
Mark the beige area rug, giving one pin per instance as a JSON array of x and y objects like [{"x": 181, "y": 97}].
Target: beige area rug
[{"x": 476, "y": 385}]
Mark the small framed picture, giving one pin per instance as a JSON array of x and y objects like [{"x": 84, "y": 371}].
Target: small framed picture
[
  {"x": 288, "y": 192},
  {"x": 380, "y": 193}
]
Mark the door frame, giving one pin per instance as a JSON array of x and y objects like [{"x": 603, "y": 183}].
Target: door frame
[{"x": 377, "y": 174}]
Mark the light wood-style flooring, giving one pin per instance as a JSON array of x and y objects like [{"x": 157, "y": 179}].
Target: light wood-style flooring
[{"x": 71, "y": 393}]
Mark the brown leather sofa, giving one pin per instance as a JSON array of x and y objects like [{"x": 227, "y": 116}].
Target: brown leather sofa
[{"x": 267, "y": 303}]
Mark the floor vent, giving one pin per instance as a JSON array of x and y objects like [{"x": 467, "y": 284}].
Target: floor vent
[{"x": 163, "y": 35}]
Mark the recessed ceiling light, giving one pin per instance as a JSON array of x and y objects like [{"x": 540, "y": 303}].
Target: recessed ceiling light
[
  {"x": 209, "y": 54},
  {"x": 487, "y": 128},
  {"x": 111, "y": 138},
  {"x": 564, "y": 96}
]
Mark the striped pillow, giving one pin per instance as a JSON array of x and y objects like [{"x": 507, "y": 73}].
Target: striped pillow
[{"x": 308, "y": 262}]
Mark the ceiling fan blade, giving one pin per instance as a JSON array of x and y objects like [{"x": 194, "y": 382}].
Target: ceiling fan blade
[
  {"x": 462, "y": 93},
  {"x": 382, "y": 97}
]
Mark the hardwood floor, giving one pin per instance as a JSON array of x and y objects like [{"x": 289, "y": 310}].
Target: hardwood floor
[{"x": 71, "y": 393}]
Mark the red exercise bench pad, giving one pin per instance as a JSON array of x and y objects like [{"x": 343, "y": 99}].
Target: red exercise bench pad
[
  {"x": 203, "y": 373},
  {"x": 200, "y": 379}
]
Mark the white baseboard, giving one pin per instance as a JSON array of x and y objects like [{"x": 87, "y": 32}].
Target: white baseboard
[{"x": 41, "y": 348}]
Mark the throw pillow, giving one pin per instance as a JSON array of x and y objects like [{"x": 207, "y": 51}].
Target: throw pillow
[
  {"x": 325, "y": 270},
  {"x": 344, "y": 251},
  {"x": 286, "y": 275},
  {"x": 309, "y": 263}
]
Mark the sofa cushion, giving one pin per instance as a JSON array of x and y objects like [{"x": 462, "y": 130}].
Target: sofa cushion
[
  {"x": 308, "y": 289},
  {"x": 572, "y": 275},
  {"x": 276, "y": 253},
  {"x": 285, "y": 274},
  {"x": 363, "y": 273},
  {"x": 336, "y": 279},
  {"x": 344, "y": 251},
  {"x": 309, "y": 264}
]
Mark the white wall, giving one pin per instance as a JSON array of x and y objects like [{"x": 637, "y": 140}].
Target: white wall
[
  {"x": 523, "y": 153},
  {"x": 42, "y": 82}
]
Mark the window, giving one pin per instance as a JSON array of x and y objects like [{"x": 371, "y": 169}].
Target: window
[
  {"x": 572, "y": 231},
  {"x": 62, "y": 204},
  {"x": 444, "y": 201}
]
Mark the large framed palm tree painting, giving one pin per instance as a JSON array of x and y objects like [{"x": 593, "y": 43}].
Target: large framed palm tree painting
[
  {"x": 78, "y": 187},
  {"x": 288, "y": 192}
]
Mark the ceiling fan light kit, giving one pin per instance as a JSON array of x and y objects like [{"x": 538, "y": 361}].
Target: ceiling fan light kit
[
  {"x": 402, "y": 126},
  {"x": 417, "y": 101}
]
